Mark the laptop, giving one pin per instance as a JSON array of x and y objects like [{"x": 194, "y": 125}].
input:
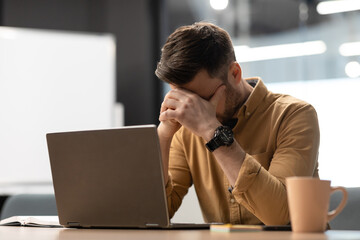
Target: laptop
[{"x": 111, "y": 178}]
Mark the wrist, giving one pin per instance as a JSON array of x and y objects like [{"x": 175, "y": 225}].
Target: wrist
[
  {"x": 223, "y": 136},
  {"x": 209, "y": 133},
  {"x": 163, "y": 133}
]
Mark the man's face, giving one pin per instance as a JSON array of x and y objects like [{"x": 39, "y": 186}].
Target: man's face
[{"x": 205, "y": 86}]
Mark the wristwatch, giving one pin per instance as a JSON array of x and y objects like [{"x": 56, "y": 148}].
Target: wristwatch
[{"x": 223, "y": 137}]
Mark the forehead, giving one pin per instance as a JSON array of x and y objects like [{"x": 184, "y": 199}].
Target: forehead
[{"x": 203, "y": 85}]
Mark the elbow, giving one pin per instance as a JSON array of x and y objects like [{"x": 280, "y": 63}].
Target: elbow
[
  {"x": 277, "y": 221},
  {"x": 171, "y": 211},
  {"x": 280, "y": 218}
]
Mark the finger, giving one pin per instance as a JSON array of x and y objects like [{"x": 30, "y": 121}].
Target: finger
[
  {"x": 169, "y": 114},
  {"x": 217, "y": 95},
  {"x": 169, "y": 95},
  {"x": 169, "y": 103},
  {"x": 180, "y": 94}
]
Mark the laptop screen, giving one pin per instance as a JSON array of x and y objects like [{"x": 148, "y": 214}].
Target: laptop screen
[{"x": 108, "y": 178}]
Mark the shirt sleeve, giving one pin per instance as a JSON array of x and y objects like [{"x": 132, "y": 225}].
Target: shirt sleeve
[
  {"x": 180, "y": 179},
  {"x": 263, "y": 192}
]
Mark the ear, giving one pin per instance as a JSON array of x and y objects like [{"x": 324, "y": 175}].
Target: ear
[{"x": 235, "y": 72}]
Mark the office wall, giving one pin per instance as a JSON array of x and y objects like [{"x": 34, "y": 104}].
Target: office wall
[{"x": 135, "y": 26}]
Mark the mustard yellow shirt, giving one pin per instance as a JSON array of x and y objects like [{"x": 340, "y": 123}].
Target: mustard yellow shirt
[{"x": 280, "y": 135}]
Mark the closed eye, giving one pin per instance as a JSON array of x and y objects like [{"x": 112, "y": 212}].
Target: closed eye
[{"x": 213, "y": 93}]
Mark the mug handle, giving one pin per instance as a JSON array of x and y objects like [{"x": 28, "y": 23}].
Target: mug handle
[{"x": 340, "y": 207}]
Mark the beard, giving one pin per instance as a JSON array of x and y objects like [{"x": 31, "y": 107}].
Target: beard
[{"x": 233, "y": 103}]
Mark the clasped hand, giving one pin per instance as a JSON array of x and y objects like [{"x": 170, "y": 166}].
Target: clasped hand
[{"x": 184, "y": 108}]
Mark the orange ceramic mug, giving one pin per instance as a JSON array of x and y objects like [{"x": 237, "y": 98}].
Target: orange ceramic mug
[{"x": 308, "y": 200}]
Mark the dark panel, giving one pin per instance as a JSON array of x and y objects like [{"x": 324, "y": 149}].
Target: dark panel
[
  {"x": 137, "y": 86},
  {"x": 97, "y": 10},
  {"x": 47, "y": 14},
  {"x": 179, "y": 14},
  {"x": 158, "y": 15},
  {"x": 1, "y": 12},
  {"x": 281, "y": 15},
  {"x": 2, "y": 201},
  {"x": 265, "y": 20}
]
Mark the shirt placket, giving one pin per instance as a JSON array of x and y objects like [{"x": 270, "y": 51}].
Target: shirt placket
[{"x": 234, "y": 207}]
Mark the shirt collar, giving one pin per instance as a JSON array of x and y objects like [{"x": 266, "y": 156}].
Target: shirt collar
[{"x": 256, "y": 97}]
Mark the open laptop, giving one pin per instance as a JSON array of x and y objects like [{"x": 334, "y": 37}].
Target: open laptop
[{"x": 110, "y": 178}]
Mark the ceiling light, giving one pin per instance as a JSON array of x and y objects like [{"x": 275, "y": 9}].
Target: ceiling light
[
  {"x": 352, "y": 69},
  {"x": 337, "y": 6},
  {"x": 350, "y": 49},
  {"x": 219, "y": 4},
  {"x": 247, "y": 54}
]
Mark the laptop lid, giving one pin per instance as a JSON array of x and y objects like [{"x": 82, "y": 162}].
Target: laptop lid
[{"x": 108, "y": 178}]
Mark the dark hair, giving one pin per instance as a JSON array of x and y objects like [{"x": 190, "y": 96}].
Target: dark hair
[{"x": 193, "y": 48}]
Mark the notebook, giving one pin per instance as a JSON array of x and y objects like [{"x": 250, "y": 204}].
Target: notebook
[
  {"x": 31, "y": 221},
  {"x": 111, "y": 178}
]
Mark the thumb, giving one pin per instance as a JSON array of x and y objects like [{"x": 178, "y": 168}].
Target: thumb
[{"x": 217, "y": 95}]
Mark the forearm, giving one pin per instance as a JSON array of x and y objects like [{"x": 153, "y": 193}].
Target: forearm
[
  {"x": 261, "y": 193},
  {"x": 165, "y": 142},
  {"x": 230, "y": 159},
  {"x": 178, "y": 177},
  {"x": 255, "y": 188}
]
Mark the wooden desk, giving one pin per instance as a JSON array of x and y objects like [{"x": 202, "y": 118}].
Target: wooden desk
[{"x": 33, "y": 233}]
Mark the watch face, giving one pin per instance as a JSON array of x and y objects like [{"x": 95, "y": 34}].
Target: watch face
[
  {"x": 225, "y": 135},
  {"x": 226, "y": 139}
]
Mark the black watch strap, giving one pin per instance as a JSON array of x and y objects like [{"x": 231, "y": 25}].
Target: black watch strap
[
  {"x": 223, "y": 136},
  {"x": 212, "y": 145}
]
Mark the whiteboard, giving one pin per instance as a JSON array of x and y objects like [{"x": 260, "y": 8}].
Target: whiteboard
[{"x": 50, "y": 81}]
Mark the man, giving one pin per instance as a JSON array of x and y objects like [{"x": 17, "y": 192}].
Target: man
[{"x": 230, "y": 137}]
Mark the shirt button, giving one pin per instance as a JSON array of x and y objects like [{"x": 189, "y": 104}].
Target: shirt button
[
  {"x": 232, "y": 200},
  {"x": 248, "y": 113}
]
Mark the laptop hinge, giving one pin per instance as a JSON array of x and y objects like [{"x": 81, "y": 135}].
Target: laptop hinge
[
  {"x": 152, "y": 225},
  {"x": 73, "y": 224}
]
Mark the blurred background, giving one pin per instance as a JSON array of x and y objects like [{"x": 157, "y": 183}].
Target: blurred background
[{"x": 307, "y": 48}]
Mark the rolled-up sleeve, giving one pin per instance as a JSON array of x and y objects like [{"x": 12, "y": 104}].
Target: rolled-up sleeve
[
  {"x": 179, "y": 176},
  {"x": 263, "y": 191}
]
